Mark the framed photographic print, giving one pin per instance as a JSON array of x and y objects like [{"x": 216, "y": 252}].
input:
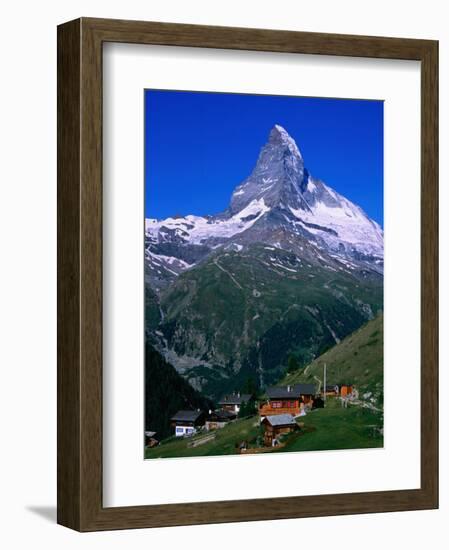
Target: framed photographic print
[{"x": 247, "y": 289}]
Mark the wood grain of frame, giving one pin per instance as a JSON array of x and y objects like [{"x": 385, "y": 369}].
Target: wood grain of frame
[{"x": 80, "y": 419}]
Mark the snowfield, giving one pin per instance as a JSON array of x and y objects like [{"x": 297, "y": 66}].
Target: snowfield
[{"x": 196, "y": 229}]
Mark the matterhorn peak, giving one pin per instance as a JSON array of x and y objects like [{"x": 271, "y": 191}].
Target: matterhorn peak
[
  {"x": 280, "y": 136},
  {"x": 279, "y": 176}
]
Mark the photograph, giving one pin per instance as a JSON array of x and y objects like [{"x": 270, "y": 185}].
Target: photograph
[{"x": 263, "y": 273}]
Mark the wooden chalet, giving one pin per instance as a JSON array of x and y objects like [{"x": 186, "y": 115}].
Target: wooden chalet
[
  {"x": 275, "y": 426},
  {"x": 219, "y": 419},
  {"x": 290, "y": 399},
  {"x": 331, "y": 391},
  {"x": 234, "y": 401},
  {"x": 346, "y": 390},
  {"x": 186, "y": 422}
]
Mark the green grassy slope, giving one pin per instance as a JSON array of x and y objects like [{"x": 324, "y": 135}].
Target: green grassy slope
[
  {"x": 334, "y": 428},
  {"x": 357, "y": 359},
  {"x": 223, "y": 444}
]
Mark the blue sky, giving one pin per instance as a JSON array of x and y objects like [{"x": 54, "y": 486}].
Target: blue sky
[{"x": 199, "y": 146}]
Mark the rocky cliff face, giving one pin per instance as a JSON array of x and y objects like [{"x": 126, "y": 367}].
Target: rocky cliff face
[
  {"x": 291, "y": 266},
  {"x": 279, "y": 177}
]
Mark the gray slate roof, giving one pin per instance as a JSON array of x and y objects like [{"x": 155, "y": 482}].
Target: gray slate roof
[
  {"x": 235, "y": 399},
  {"x": 281, "y": 420},
  {"x": 186, "y": 416},
  {"x": 286, "y": 392}
]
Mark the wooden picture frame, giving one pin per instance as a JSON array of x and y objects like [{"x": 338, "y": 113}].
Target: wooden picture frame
[{"x": 80, "y": 503}]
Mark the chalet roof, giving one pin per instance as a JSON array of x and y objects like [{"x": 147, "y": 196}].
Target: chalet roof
[
  {"x": 222, "y": 415},
  {"x": 235, "y": 399},
  {"x": 281, "y": 420},
  {"x": 286, "y": 392},
  {"x": 150, "y": 434},
  {"x": 186, "y": 416}
]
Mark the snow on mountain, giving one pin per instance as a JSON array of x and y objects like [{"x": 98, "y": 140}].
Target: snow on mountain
[
  {"x": 279, "y": 195},
  {"x": 281, "y": 178},
  {"x": 343, "y": 225},
  {"x": 197, "y": 229}
]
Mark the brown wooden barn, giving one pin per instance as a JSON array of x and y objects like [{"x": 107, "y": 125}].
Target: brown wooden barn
[
  {"x": 288, "y": 399},
  {"x": 331, "y": 391},
  {"x": 150, "y": 439},
  {"x": 219, "y": 419},
  {"x": 234, "y": 401},
  {"x": 275, "y": 426}
]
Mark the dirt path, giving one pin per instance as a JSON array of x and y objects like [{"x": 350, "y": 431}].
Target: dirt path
[
  {"x": 237, "y": 284},
  {"x": 306, "y": 370},
  {"x": 319, "y": 382}
]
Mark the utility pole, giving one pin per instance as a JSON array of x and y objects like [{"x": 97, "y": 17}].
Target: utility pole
[{"x": 324, "y": 383}]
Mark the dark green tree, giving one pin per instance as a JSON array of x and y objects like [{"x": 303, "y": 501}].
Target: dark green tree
[
  {"x": 165, "y": 393},
  {"x": 247, "y": 408},
  {"x": 293, "y": 363},
  {"x": 250, "y": 386}
]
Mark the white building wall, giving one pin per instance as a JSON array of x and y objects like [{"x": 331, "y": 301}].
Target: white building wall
[{"x": 181, "y": 431}]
